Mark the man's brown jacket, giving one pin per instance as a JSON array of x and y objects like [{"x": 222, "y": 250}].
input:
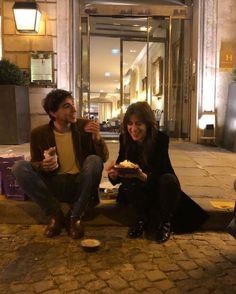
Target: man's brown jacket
[{"x": 42, "y": 138}]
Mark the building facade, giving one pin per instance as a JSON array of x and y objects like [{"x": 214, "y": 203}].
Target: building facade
[{"x": 192, "y": 94}]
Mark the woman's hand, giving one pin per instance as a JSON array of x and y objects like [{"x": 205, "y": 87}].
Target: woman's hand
[
  {"x": 139, "y": 175},
  {"x": 112, "y": 173}
]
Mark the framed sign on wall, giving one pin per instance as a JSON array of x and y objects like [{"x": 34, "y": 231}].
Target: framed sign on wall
[{"x": 41, "y": 68}]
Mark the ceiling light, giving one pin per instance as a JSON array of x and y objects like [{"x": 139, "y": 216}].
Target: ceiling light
[
  {"x": 144, "y": 29},
  {"x": 132, "y": 51},
  {"x": 107, "y": 74},
  {"x": 27, "y": 16}
]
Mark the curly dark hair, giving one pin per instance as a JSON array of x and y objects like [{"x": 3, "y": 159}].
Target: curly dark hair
[
  {"x": 53, "y": 99},
  {"x": 145, "y": 114}
]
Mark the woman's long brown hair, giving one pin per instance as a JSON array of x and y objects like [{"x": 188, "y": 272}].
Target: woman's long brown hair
[{"x": 145, "y": 114}]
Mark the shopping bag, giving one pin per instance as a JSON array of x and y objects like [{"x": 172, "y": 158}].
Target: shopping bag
[{"x": 10, "y": 188}]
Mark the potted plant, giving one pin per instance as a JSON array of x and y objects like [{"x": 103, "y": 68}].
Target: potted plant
[
  {"x": 10, "y": 74},
  {"x": 14, "y": 105}
]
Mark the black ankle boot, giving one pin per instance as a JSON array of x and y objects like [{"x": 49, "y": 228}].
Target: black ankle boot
[
  {"x": 137, "y": 229},
  {"x": 163, "y": 232}
]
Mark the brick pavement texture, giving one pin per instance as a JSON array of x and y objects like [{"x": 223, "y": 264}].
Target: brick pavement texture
[{"x": 203, "y": 262}]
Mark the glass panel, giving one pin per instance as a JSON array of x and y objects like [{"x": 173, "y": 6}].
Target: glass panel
[
  {"x": 104, "y": 76},
  {"x": 179, "y": 102},
  {"x": 158, "y": 68},
  {"x": 116, "y": 46},
  {"x": 84, "y": 102},
  {"x": 134, "y": 71}
]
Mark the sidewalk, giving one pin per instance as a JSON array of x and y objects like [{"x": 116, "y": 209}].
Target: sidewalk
[
  {"x": 206, "y": 174},
  {"x": 199, "y": 263}
]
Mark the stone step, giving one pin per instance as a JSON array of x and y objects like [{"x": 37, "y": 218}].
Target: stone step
[{"x": 107, "y": 213}]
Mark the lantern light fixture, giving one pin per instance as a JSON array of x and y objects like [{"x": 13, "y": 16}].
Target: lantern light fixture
[{"x": 27, "y": 17}]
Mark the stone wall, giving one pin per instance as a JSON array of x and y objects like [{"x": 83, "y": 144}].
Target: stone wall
[
  {"x": 17, "y": 46},
  {"x": 226, "y": 28},
  {"x": 218, "y": 26}
]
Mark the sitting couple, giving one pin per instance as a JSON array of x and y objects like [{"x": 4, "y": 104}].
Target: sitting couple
[{"x": 67, "y": 158}]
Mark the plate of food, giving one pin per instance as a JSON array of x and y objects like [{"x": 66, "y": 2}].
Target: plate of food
[{"x": 126, "y": 167}]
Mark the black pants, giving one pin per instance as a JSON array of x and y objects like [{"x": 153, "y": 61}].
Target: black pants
[{"x": 154, "y": 202}]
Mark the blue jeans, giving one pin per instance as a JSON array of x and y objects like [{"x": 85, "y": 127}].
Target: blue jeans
[{"x": 49, "y": 190}]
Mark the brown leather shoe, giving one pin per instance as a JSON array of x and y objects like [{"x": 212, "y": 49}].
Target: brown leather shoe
[
  {"x": 55, "y": 225},
  {"x": 76, "y": 230}
]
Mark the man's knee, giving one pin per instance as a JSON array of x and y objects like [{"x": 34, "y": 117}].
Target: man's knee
[
  {"x": 21, "y": 167},
  {"x": 94, "y": 162}
]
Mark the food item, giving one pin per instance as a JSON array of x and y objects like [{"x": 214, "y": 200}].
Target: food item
[
  {"x": 90, "y": 245},
  {"x": 127, "y": 164},
  {"x": 50, "y": 152},
  {"x": 126, "y": 167}
]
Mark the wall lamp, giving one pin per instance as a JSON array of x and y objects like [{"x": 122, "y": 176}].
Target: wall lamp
[
  {"x": 207, "y": 118},
  {"x": 27, "y": 17}
]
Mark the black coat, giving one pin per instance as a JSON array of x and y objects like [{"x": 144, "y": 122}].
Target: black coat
[{"x": 188, "y": 216}]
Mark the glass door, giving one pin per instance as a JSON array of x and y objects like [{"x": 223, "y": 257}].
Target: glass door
[
  {"x": 129, "y": 59},
  {"x": 110, "y": 48}
]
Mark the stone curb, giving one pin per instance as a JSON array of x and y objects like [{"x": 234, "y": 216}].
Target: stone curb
[{"x": 107, "y": 213}]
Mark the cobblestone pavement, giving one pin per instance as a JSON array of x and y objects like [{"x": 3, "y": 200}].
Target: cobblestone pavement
[{"x": 203, "y": 262}]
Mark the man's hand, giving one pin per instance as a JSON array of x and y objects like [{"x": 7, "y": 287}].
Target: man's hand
[
  {"x": 94, "y": 128},
  {"x": 50, "y": 162}
]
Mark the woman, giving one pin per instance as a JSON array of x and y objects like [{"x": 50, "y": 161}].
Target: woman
[{"x": 153, "y": 190}]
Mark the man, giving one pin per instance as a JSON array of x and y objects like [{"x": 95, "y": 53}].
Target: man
[{"x": 66, "y": 165}]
